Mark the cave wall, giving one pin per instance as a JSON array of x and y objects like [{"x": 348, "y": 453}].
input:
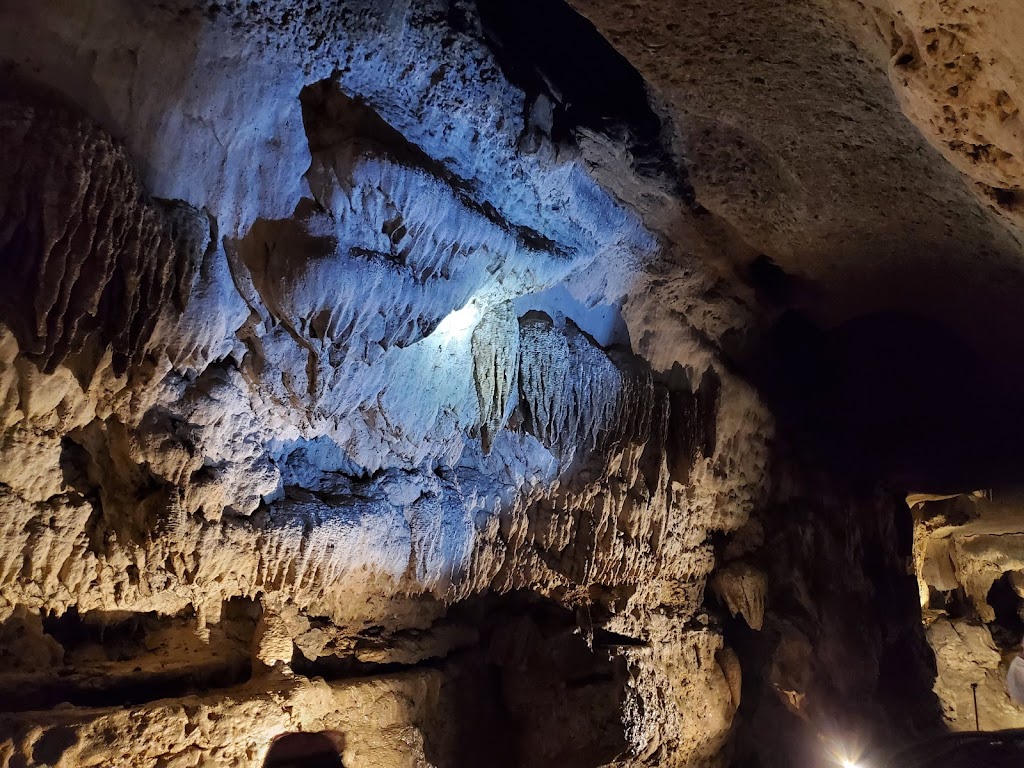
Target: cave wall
[
  {"x": 406, "y": 371},
  {"x": 826, "y": 624},
  {"x": 315, "y": 328}
]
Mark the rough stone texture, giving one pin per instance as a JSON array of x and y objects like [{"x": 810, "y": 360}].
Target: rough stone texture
[
  {"x": 392, "y": 375},
  {"x": 956, "y": 69},
  {"x": 742, "y": 588},
  {"x": 382, "y": 721},
  {"x": 390, "y": 370},
  {"x": 966, "y": 657},
  {"x": 83, "y": 249},
  {"x": 776, "y": 111}
]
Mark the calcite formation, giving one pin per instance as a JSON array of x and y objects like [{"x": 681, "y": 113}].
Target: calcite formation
[
  {"x": 81, "y": 239},
  {"x": 259, "y": 439},
  {"x": 451, "y": 379}
]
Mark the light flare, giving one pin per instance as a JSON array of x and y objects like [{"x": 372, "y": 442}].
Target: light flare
[
  {"x": 845, "y": 754},
  {"x": 457, "y": 324}
]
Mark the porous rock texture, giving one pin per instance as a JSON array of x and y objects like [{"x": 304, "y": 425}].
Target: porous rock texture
[
  {"x": 956, "y": 70},
  {"x": 452, "y": 379}
]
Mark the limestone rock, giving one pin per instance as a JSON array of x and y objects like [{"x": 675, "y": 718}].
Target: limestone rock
[
  {"x": 967, "y": 657},
  {"x": 92, "y": 253},
  {"x": 742, "y": 588},
  {"x": 956, "y": 68}
]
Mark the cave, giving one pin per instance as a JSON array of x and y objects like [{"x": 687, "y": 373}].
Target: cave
[{"x": 457, "y": 383}]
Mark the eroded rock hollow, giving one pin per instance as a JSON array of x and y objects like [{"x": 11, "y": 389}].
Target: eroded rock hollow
[{"x": 465, "y": 383}]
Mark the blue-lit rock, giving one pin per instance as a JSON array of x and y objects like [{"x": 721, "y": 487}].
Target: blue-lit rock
[{"x": 403, "y": 373}]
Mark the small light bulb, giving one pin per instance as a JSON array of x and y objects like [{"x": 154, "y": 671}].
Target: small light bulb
[{"x": 850, "y": 764}]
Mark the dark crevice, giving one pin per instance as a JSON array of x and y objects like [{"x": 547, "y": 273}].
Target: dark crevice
[
  {"x": 692, "y": 426},
  {"x": 305, "y": 750},
  {"x": 350, "y": 668},
  {"x": 547, "y": 49},
  {"x": 120, "y": 659},
  {"x": 53, "y": 744},
  {"x": 131, "y": 691},
  {"x": 771, "y": 282},
  {"x": 1008, "y": 628}
]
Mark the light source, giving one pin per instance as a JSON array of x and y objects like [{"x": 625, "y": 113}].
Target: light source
[
  {"x": 456, "y": 324},
  {"x": 845, "y": 755}
]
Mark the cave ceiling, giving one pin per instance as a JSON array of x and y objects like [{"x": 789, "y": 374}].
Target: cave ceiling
[{"x": 869, "y": 150}]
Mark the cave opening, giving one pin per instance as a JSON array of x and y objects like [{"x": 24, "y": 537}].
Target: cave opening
[
  {"x": 1008, "y": 627},
  {"x": 591, "y": 85},
  {"x": 305, "y": 750},
  {"x": 546, "y": 683},
  {"x": 538, "y": 684}
]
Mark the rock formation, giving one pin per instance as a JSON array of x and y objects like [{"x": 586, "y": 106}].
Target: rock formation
[{"x": 528, "y": 384}]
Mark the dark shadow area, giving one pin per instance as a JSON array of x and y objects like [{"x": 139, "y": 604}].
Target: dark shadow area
[
  {"x": 890, "y": 396},
  {"x": 305, "y": 750},
  {"x": 992, "y": 749},
  {"x": 545, "y": 689},
  {"x": 546, "y": 48},
  {"x": 123, "y": 690},
  {"x": 541, "y": 687},
  {"x": 120, "y": 659},
  {"x": 692, "y": 428},
  {"x": 842, "y": 657},
  {"x": 53, "y": 744},
  {"x": 1008, "y": 628}
]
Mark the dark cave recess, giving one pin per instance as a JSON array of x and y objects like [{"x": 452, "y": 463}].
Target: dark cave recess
[
  {"x": 546, "y": 48},
  {"x": 305, "y": 750},
  {"x": 891, "y": 396}
]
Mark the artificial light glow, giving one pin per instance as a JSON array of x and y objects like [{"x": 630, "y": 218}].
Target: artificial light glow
[
  {"x": 845, "y": 756},
  {"x": 456, "y": 324}
]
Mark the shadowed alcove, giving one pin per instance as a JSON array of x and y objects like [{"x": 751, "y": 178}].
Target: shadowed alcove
[{"x": 309, "y": 750}]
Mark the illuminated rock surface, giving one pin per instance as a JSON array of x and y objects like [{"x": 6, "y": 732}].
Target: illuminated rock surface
[{"x": 442, "y": 378}]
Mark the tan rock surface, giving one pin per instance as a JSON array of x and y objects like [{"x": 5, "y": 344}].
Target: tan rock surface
[{"x": 957, "y": 69}]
